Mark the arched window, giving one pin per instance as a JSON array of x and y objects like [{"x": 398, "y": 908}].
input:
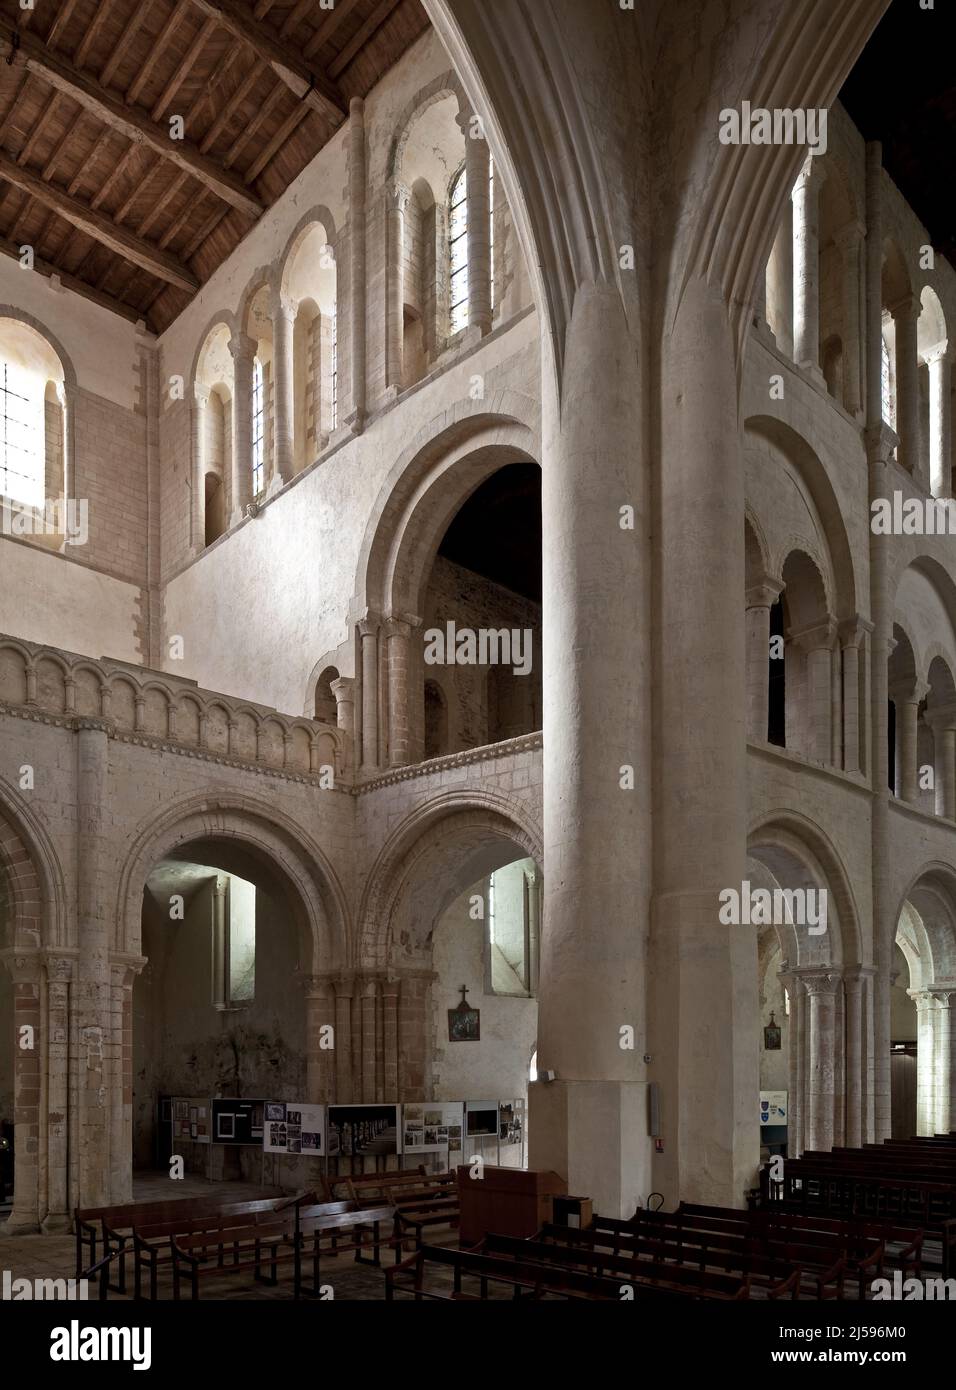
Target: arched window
[
  {"x": 886, "y": 386},
  {"x": 458, "y": 252},
  {"x": 33, "y": 462},
  {"x": 22, "y": 434},
  {"x": 258, "y": 428}
]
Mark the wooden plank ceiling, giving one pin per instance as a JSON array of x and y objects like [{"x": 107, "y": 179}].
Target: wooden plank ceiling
[{"x": 90, "y": 176}]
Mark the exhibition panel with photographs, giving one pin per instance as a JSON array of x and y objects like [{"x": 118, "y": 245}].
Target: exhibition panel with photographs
[{"x": 478, "y": 665}]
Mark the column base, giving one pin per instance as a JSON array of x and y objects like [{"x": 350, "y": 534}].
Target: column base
[
  {"x": 20, "y": 1226},
  {"x": 594, "y": 1133},
  {"x": 55, "y": 1224}
]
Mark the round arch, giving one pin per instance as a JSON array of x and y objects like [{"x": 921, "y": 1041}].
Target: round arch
[
  {"x": 261, "y": 831},
  {"x": 10, "y": 311},
  {"x": 441, "y": 467},
  {"x": 797, "y": 839},
  {"x": 814, "y": 478},
  {"x": 483, "y": 824},
  {"x": 446, "y": 84},
  {"x": 31, "y": 879}
]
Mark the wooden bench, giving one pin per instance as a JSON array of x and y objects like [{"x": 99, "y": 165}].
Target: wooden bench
[
  {"x": 152, "y": 1241},
  {"x": 92, "y": 1223},
  {"x": 539, "y": 1275},
  {"x": 282, "y": 1238},
  {"x": 705, "y": 1244}
]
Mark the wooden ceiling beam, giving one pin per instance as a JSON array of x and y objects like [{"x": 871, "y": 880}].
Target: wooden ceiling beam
[
  {"x": 294, "y": 119},
  {"x": 133, "y": 25},
  {"x": 297, "y": 12},
  {"x": 374, "y": 22},
  {"x": 93, "y": 32},
  {"x": 173, "y": 20},
  {"x": 87, "y": 164},
  {"x": 161, "y": 203},
  {"x": 132, "y": 122},
  {"x": 117, "y": 239},
  {"x": 231, "y": 107},
  {"x": 286, "y": 62},
  {"x": 117, "y": 172},
  {"x": 247, "y": 132},
  {"x": 39, "y": 128},
  {"x": 60, "y": 23},
  {"x": 183, "y": 68},
  {"x": 328, "y": 27},
  {"x": 49, "y": 167},
  {"x": 105, "y": 301}
]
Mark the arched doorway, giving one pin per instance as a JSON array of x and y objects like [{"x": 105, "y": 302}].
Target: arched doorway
[
  {"x": 237, "y": 918},
  {"x": 922, "y": 1074},
  {"x": 810, "y": 979},
  {"x": 456, "y": 898}
]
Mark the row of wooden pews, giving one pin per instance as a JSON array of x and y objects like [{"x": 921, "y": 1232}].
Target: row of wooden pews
[
  {"x": 909, "y": 1183},
  {"x": 200, "y": 1238},
  {"x": 694, "y": 1252}
]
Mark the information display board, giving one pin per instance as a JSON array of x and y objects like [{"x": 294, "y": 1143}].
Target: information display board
[
  {"x": 292, "y": 1127},
  {"x": 192, "y": 1119},
  {"x": 237, "y": 1121},
  {"x": 773, "y": 1107},
  {"x": 433, "y": 1127},
  {"x": 363, "y": 1129}
]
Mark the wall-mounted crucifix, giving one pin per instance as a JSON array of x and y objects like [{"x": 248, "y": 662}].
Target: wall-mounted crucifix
[{"x": 464, "y": 1022}]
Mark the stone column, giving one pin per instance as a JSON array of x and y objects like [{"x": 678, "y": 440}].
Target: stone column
[
  {"x": 28, "y": 1070},
  {"x": 93, "y": 986},
  {"x": 760, "y": 599},
  {"x": 120, "y": 1063},
  {"x": 390, "y": 997},
  {"x": 806, "y": 267},
  {"x": 821, "y": 990},
  {"x": 72, "y": 483},
  {"x": 357, "y": 262},
  {"x": 850, "y": 242},
  {"x": 817, "y": 642},
  {"x": 344, "y": 989},
  {"x": 940, "y": 421},
  {"x": 368, "y": 631},
  {"x": 836, "y": 701},
  {"x": 397, "y": 196},
  {"x": 368, "y": 990},
  {"x": 701, "y": 847},
  {"x": 243, "y": 350},
  {"x": 398, "y": 632},
  {"x": 905, "y": 314},
  {"x": 855, "y": 985},
  {"x": 321, "y": 1039},
  {"x": 596, "y": 647},
  {"x": 200, "y": 403},
  {"x": 780, "y": 278},
  {"x": 879, "y": 446},
  {"x": 59, "y": 971},
  {"x": 283, "y": 386},
  {"x": 852, "y": 637},
  {"x": 793, "y": 984},
  {"x": 477, "y": 175},
  {"x": 925, "y": 1060},
  {"x": 907, "y": 699},
  {"x": 343, "y": 688},
  {"x": 942, "y": 720},
  {"x": 943, "y": 1067}
]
